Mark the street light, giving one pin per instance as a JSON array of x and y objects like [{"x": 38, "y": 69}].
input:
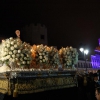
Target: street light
[{"x": 85, "y": 52}]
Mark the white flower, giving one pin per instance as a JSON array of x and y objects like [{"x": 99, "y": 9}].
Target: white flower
[
  {"x": 11, "y": 38},
  {"x": 40, "y": 54},
  {"x": 10, "y": 53},
  {"x": 13, "y": 56},
  {"x": 23, "y": 62},
  {"x": 12, "y": 48},
  {"x": 43, "y": 53},
  {"x": 8, "y": 56},
  {"x": 12, "y": 42},
  {"x": 18, "y": 64},
  {"x": 19, "y": 51},
  {"x": 5, "y": 53},
  {"x": 22, "y": 55},
  {"x": 16, "y": 59},
  {"x": 2, "y": 58},
  {"x": 27, "y": 55},
  {"x": 8, "y": 45},
  {"x": 25, "y": 58},
  {"x": 15, "y": 51},
  {"x": 18, "y": 43},
  {"x": 40, "y": 57},
  {"x": 40, "y": 61},
  {"x": 10, "y": 59},
  {"x": 7, "y": 41},
  {"x": 43, "y": 60},
  {"x": 6, "y": 49},
  {"x": 13, "y": 60},
  {"x": 15, "y": 46}
]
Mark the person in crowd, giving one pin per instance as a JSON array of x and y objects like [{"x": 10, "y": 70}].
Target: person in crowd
[
  {"x": 80, "y": 87},
  {"x": 98, "y": 74},
  {"x": 94, "y": 84},
  {"x": 97, "y": 93}
]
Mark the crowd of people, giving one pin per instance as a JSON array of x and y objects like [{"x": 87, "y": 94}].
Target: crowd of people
[{"x": 89, "y": 86}]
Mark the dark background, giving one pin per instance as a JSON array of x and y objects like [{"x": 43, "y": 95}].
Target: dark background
[
  {"x": 69, "y": 23},
  {"x": 58, "y": 94}
]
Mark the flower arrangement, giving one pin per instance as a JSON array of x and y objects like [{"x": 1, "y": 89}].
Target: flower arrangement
[
  {"x": 14, "y": 50},
  {"x": 40, "y": 55},
  {"x": 74, "y": 55},
  {"x": 25, "y": 55},
  {"x": 68, "y": 56},
  {"x": 53, "y": 57},
  {"x": 16, "y": 53}
]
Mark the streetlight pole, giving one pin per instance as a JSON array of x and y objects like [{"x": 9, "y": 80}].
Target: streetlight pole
[{"x": 85, "y": 52}]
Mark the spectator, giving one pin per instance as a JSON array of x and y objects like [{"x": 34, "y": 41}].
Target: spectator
[
  {"x": 97, "y": 93},
  {"x": 93, "y": 85}
]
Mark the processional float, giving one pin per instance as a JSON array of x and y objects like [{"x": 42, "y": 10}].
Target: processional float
[{"x": 28, "y": 69}]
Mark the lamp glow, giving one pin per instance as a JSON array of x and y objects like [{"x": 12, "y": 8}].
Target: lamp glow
[
  {"x": 86, "y": 52},
  {"x": 81, "y": 49}
]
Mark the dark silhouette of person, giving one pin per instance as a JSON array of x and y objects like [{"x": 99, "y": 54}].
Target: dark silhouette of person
[
  {"x": 97, "y": 93},
  {"x": 94, "y": 84}
]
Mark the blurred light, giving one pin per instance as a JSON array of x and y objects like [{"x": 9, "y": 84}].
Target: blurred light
[
  {"x": 86, "y": 52},
  {"x": 81, "y": 49}
]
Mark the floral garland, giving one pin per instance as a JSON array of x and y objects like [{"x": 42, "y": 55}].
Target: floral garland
[
  {"x": 22, "y": 54},
  {"x": 13, "y": 50},
  {"x": 40, "y": 54},
  {"x": 74, "y": 55},
  {"x": 68, "y": 56},
  {"x": 53, "y": 57}
]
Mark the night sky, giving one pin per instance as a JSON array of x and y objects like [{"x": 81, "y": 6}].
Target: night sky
[{"x": 68, "y": 23}]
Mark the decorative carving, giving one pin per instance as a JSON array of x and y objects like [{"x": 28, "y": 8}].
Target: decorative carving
[
  {"x": 3, "y": 86},
  {"x": 26, "y": 82},
  {"x": 41, "y": 84}
]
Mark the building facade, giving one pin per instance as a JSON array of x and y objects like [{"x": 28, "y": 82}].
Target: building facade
[
  {"x": 95, "y": 59},
  {"x": 35, "y": 34},
  {"x": 92, "y": 65}
]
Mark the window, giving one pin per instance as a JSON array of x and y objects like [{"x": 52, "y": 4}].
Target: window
[{"x": 42, "y": 37}]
